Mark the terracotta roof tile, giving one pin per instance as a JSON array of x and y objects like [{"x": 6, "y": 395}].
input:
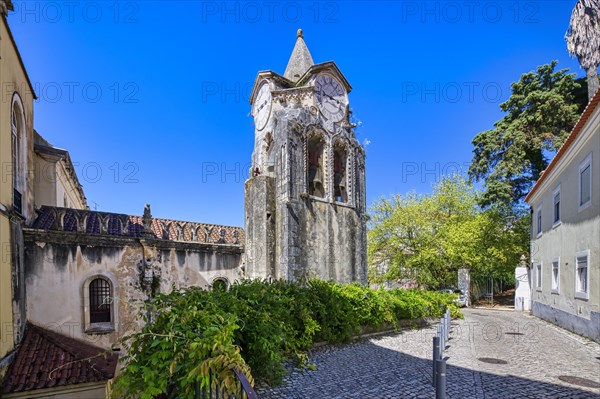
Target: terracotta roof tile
[
  {"x": 114, "y": 224},
  {"x": 46, "y": 359}
]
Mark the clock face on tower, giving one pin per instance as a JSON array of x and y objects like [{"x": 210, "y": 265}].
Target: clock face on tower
[
  {"x": 331, "y": 97},
  {"x": 262, "y": 106}
]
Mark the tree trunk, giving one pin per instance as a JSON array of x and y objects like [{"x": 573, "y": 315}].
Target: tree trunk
[{"x": 592, "y": 81}]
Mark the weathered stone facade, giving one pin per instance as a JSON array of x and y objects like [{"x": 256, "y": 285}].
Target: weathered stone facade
[
  {"x": 305, "y": 202},
  {"x": 138, "y": 255}
]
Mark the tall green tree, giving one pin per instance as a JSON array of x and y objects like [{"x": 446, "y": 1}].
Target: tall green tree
[
  {"x": 583, "y": 40},
  {"x": 540, "y": 113},
  {"x": 427, "y": 238}
]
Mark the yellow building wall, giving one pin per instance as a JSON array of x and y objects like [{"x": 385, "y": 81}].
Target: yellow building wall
[
  {"x": 13, "y": 79},
  {"x": 6, "y": 316},
  {"x": 53, "y": 183},
  {"x": 66, "y": 186},
  {"x": 45, "y": 182}
]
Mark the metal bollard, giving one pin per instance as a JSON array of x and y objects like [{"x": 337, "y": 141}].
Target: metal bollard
[
  {"x": 448, "y": 320},
  {"x": 446, "y": 324},
  {"x": 443, "y": 335},
  {"x": 440, "y": 380},
  {"x": 444, "y": 331},
  {"x": 436, "y": 357},
  {"x": 444, "y": 320}
]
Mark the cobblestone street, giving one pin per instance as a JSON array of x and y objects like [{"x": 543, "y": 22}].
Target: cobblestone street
[{"x": 529, "y": 354}]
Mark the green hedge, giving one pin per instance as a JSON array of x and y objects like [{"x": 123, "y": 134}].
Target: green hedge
[{"x": 255, "y": 326}]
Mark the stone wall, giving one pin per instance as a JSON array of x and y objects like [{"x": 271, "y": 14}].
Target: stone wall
[
  {"x": 59, "y": 263},
  {"x": 291, "y": 234},
  {"x": 325, "y": 243}
]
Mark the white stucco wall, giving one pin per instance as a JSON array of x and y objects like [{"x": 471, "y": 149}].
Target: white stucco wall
[{"x": 577, "y": 231}]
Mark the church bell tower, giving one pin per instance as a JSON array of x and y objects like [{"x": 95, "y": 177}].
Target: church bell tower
[{"x": 305, "y": 204}]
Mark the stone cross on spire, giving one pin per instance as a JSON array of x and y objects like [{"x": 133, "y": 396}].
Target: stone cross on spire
[{"x": 300, "y": 60}]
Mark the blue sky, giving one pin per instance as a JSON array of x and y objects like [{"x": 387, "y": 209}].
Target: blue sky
[{"x": 150, "y": 97}]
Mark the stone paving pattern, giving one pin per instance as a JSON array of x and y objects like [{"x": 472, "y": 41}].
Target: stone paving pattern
[{"x": 399, "y": 365}]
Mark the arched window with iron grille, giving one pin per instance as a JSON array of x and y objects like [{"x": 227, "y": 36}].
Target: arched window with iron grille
[{"x": 100, "y": 297}]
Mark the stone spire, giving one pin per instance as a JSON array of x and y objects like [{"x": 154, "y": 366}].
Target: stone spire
[{"x": 300, "y": 60}]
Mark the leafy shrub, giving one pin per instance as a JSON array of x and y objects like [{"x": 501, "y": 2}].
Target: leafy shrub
[
  {"x": 255, "y": 326},
  {"x": 189, "y": 338}
]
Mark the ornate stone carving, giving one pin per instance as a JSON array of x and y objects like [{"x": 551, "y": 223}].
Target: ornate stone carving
[
  {"x": 103, "y": 223},
  {"x": 194, "y": 232},
  {"x": 147, "y": 275},
  {"x": 180, "y": 227},
  {"x": 222, "y": 233},
  {"x": 294, "y": 95},
  {"x": 165, "y": 228},
  {"x": 81, "y": 222},
  {"x": 147, "y": 222},
  {"x": 207, "y": 232}
]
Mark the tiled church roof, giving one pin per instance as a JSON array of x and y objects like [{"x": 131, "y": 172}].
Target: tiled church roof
[
  {"x": 47, "y": 359},
  {"x": 114, "y": 224}
]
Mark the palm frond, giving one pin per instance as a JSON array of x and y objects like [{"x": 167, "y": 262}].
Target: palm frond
[{"x": 583, "y": 35}]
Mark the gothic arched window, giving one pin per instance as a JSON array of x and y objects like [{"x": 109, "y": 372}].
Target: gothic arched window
[
  {"x": 340, "y": 180},
  {"x": 316, "y": 176}
]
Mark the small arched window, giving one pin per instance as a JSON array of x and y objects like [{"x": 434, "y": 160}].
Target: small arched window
[
  {"x": 100, "y": 301},
  {"x": 100, "y": 314},
  {"x": 315, "y": 162},
  {"x": 220, "y": 284}
]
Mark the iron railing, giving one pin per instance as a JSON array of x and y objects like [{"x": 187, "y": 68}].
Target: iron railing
[{"x": 243, "y": 389}]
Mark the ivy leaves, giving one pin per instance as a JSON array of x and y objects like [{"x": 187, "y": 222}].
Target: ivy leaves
[
  {"x": 254, "y": 327},
  {"x": 184, "y": 344}
]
